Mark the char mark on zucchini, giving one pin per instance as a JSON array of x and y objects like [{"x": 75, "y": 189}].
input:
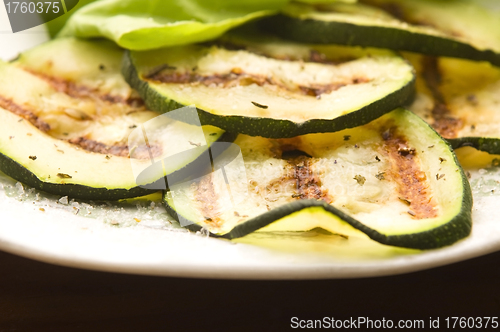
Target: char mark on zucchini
[
  {"x": 12, "y": 107},
  {"x": 444, "y": 123},
  {"x": 408, "y": 175},
  {"x": 239, "y": 78},
  {"x": 308, "y": 183},
  {"x": 299, "y": 173},
  {"x": 301, "y": 177},
  {"x": 207, "y": 201},
  {"x": 75, "y": 90},
  {"x": 119, "y": 150}
]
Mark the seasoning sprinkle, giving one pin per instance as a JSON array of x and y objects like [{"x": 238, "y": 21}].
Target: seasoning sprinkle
[
  {"x": 259, "y": 105},
  {"x": 360, "y": 179}
]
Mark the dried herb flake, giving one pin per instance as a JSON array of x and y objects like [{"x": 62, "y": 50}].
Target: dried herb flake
[
  {"x": 259, "y": 105},
  {"x": 360, "y": 179}
]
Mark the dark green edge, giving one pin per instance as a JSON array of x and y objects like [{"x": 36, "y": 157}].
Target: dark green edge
[
  {"x": 20, "y": 173},
  {"x": 322, "y": 32},
  {"x": 446, "y": 234},
  {"x": 457, "y": 228},
  {"x": 486, "y": 144},
  {"x": 255, "y": 126}
]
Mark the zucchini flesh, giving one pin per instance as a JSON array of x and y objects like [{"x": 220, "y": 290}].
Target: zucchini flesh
[
  {"x": 66, "y": 115},
  {"x": 453, "y": 28},
  {"x": 394, "y": 180},
  {"x": 460, "y": 99},
  {"x": 262, "y": 89}
]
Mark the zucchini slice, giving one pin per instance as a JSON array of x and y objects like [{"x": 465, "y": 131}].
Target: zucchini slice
[
  {"x": 273, "y": 88},
  {"x": 65, "y": 118},
  {"x": 453, "y": 28},
  {"x": 394, "y": 180},
  {"x": 460, "y": 99}
]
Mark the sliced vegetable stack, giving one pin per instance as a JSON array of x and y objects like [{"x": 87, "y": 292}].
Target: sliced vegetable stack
[
  {"x": 264, "y": 89},
  {"x": 292, "y": 134},
  {"x": 394, "y": 180},
  {"x": 66, "y": 114}
]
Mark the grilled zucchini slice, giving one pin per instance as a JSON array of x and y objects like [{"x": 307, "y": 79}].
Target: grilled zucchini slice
[
  {"x": 66, "y": 114},
  {"x": 453, "y": 28},
  {"x": 460, "y": 99},
  {"x": 274, "y": 89},
  {"x": 394, "y": 180}
]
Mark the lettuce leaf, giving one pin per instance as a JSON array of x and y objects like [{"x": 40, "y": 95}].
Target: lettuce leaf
[
  {"x": 54, "y": 26},
  {"x": 142, "y": 25}
]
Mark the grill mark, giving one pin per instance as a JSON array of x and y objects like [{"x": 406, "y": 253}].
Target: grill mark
[
  {"x": 405, "y": 171},
  {"x": 238, "y": 78},
  {"x": 16, "y": 109},
  {"x": 444, "y": 122},
  {"x": 207, "y": 199},
  {"x": 308, "y": 183},
  {"x": 81, "y": 91},
  {"x": 82, "y": 142},
  {"x": 116, "y": 150},
  {"x": 301, "y": 176}
]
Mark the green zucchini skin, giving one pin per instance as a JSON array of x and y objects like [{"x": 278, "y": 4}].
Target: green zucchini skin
[
  {"x": 86, "y": 192},
  {"x": 313, "y": 31},
  {"x": 267, "y": 127},
  {"x": 457, "y": 227},
  {"x": 444, "y": 235},
  {"x": 486, "y": 144},
  {"x": 18, "y": 172}
]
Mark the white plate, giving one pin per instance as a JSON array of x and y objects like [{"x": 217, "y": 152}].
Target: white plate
[{"x": 108, "y": 238}]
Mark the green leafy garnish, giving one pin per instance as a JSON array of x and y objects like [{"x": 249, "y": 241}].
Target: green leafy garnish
[{"x": 142, "y": 25}]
